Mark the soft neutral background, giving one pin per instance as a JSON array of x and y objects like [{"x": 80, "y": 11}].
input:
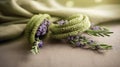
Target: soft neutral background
[{"x": 15, "y": 53}]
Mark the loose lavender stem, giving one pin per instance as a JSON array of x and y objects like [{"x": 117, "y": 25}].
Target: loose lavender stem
[{"x": 83, "y": 42}]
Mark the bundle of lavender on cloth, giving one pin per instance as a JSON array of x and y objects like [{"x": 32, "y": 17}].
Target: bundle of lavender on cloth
[{"x": 70, "y": 29}]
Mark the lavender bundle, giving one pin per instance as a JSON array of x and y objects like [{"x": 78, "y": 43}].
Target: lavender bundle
[{"x": 70, "y": 29}]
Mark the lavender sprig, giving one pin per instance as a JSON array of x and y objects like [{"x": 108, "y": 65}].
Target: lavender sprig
[
  {"x": 83, "y": 42},
  {"x": 98, "y": 31},
  {"x": 41, "y": 31},
  {"x": 36, "y": 46}
]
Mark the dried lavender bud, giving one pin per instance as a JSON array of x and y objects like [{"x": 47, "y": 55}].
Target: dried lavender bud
[
  {"x": 38, "y": 33},
  {"x": 90, "y": 42},
  {"x": 46, "y": 22},
  {"x": 40, "y": 44},
  {"x": 95, "y": 28},
  {"x": 61, "y": 22},
  {"x": 78, "y": 44}
]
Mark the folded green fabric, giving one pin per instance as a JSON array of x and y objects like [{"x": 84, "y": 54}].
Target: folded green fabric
[{"x": 11, "y": 31}]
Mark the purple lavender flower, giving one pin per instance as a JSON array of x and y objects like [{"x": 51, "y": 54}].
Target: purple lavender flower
[
  {"x": 38, "y": 33},
  {"x": 80, "y": 41},
  {"x": 95, "y": 28},
  {"x": 90, "y": 42},
  {"x": 78, "y": 44},
  {"x": 40, "y": 44},
  {"x": 44, "y": 27},
  {"x": 46, "y": 22},
  {"x": 75, "y": 40},
  {"x": 61, "y": 22},
  {"x": 42, "y": 30}
]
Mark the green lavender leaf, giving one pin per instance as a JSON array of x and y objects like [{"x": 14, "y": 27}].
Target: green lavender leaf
[{"x": 100, "y": 32}]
